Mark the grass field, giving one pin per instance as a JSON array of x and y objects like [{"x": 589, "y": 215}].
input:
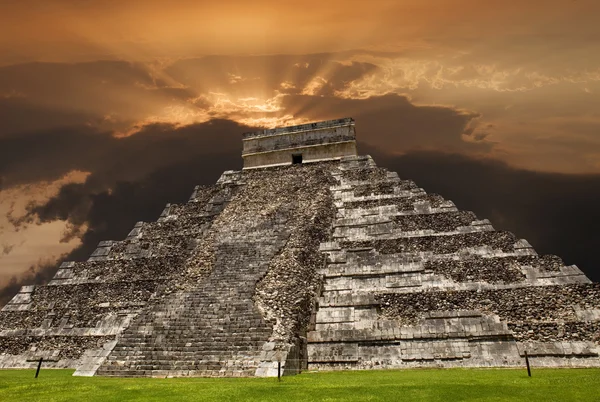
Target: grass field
[{"x": 390, "y": 385}]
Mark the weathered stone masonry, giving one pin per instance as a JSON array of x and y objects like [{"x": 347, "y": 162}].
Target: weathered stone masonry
[
  {"x": 412, "y": 282},
  {"x": 226, "y": 289},
  {"x": 314, "y": 142},
  {"x": 333, "y": 264}
]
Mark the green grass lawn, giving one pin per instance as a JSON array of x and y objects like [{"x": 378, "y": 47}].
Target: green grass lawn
[{"x": 389, "y": 385}]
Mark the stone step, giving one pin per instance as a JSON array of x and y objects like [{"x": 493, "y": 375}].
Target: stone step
[{"x": 167, "y": 373}]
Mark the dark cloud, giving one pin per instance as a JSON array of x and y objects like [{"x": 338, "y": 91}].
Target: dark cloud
[
  {"x": 135, "y": 90},
  {"x": 392, "y": 121},
  {"x": 132, "y": 175},
  {"x": 45, "y": 81},
  {"x": 110, "y": 204},
  {"x": 93, "y": 90},
  {"x": 19, "y": 115},
  {"x": 49, "y": 154},
  {"x": 556, "y": 213},
  {"x": 43, "y": 136},
  {"x": 41, "y": 272}
]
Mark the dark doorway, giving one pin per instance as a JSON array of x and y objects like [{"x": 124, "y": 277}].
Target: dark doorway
[{"x": 296, "y": 158}]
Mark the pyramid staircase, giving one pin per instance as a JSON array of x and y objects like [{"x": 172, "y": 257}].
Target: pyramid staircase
[{"x": 213, "y": 330}]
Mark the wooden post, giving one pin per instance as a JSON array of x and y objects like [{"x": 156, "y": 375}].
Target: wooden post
[
  {"x": 527, "y": 363},
  {"x": 39, "y": 367},
  {"x": 279, "y": 371}
]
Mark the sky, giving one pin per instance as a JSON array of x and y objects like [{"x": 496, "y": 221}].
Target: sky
[{"x": 110, "y": 109}]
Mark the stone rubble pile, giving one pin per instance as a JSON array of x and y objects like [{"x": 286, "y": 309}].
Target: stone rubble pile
[
  {"x": 544, "y": 262},
  {"x": 373, "y": 189},
  {"x": 573, "y": 331},
  {"x": 128, "y": 269}
]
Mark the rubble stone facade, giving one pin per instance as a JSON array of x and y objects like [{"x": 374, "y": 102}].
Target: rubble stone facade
[{"x": 331, "y": 265}]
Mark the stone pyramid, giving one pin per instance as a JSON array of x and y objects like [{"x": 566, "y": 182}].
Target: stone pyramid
[{"x": 313, "y": 257}]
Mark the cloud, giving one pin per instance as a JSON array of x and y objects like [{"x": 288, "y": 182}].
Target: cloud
[
  {"x": 38, "y": 273},
  {"x": 42, "y": 137},
  {"x": 108, "y": 203},
  {"x": 268, "y": 73},
  {"x": 20, "y": 115},
  {"x": 108, "y": 94},
  {"x": 6, "y": 248},
  {"x": 50, "y": 154},
  {"x": 65, "y": 31},
  {"x": 392, "y": 121},
  {"x": 135, "y": 159},
  {"x": 124, "y": 96},
  {"x": 452, "y": 99}
]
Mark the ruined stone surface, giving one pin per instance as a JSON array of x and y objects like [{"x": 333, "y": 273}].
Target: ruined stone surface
[
  {"x": 329, "y": 265},
  {"x": 71, "y": 347},
  {"x": 438, "y": 223},
  {"x": 497, "y": 270},
  {"x": 503, "y": 241},
  {"x": 223, "y": 289},
  {"x": 410, "y": 281},
  {"x": 524, "y": 304},
  {"x": 402, "y": 204}
]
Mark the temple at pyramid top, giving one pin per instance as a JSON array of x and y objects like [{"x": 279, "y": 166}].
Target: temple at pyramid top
[{"x": 313, "y": 142}]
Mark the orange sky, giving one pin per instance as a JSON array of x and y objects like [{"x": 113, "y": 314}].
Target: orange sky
[
  {"x": 530, "y": 69},
  {"x": 68, "y": 30},
  {"x": 515, "y": 81}
]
